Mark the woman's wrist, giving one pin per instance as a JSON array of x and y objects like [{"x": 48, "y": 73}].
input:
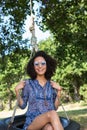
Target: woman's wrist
[
  {"x": 59, "y": 93},
  {"x": 16, "y": 90},
  {"x": 58, "y": 99},
  {"x": 59, "y": 89}
]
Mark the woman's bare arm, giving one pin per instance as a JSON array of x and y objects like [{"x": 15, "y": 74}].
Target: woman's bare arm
[
  {"x": 58, "y": 89},
  {"x": 17, "y": 91}
]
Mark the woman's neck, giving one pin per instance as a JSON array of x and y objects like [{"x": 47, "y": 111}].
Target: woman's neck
[{"x": 42, "y": 80}]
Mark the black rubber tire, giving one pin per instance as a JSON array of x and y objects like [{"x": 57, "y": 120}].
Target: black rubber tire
[{"x": 73, "y": 125}]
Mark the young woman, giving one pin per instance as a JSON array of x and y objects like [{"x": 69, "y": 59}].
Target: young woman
[{"x": 41, "y": 94}]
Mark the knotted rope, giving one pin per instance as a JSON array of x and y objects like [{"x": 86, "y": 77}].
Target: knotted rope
[{"x": 32, "y": 30}]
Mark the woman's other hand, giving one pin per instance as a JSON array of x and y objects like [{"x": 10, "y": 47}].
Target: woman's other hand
[{"x": 56, "y": 86}]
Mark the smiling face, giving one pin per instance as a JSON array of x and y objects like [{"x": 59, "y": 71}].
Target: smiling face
[{"x": 40, "y": 65}]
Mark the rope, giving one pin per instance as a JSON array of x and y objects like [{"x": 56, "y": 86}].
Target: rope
[
  {"x": 64, "y": 110},
  {"x": 15, "y": 107},
  {"x": 12, "y": 118},
  {"x": 32, "y": 30},
  {"x": 31, "y": 6}
]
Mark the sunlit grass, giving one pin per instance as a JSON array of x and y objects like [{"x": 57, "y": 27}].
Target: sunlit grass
[{"x": 79, "y": 116}]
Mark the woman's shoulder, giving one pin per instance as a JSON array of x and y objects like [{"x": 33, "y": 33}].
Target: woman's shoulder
[
  {"x": 27, "y": 85},
  {"x": 29, "y": 82}
]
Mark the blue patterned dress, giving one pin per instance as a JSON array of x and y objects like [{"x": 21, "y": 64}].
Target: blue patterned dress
[{"x": 40, "y": 99}]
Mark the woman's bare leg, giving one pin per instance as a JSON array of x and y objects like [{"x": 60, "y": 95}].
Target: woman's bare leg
[
  {"x": 48, "y": 117},
  {"x": 47, "y": 127},
  {"x": 55, "y": 121}
]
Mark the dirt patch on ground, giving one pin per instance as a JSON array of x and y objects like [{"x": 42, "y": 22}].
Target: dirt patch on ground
[
  {"x": 6, "y": 113},
  {"x": 83, "y": 127}
]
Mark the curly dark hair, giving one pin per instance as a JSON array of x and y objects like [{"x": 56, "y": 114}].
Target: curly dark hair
[{"x": 51, "y": 65}]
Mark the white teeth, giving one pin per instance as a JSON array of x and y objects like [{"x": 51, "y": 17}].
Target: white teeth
[{"x": 39, "y": 70}]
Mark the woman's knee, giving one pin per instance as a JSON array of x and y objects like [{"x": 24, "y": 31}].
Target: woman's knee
[{"x": 52, "y": 114}]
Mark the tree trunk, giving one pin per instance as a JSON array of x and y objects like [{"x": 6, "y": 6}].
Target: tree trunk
[
  {"x": 76, "y": 87},
  {"x": 9, "y": 99},
  {"x": 10, "y": 102}
]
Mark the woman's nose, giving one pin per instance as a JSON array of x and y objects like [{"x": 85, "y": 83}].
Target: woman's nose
[{"x": 40, "y": 65}]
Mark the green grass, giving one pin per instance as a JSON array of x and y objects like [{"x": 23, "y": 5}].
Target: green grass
[{"x": 77, "y": 115}]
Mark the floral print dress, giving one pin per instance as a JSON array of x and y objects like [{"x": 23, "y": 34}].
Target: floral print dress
[{"x": 39, "y": 99}]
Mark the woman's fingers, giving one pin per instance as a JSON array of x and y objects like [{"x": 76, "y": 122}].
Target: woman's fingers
[
  {"x": 56, "y": 85},
  {"x": 20, "y": 85}
]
